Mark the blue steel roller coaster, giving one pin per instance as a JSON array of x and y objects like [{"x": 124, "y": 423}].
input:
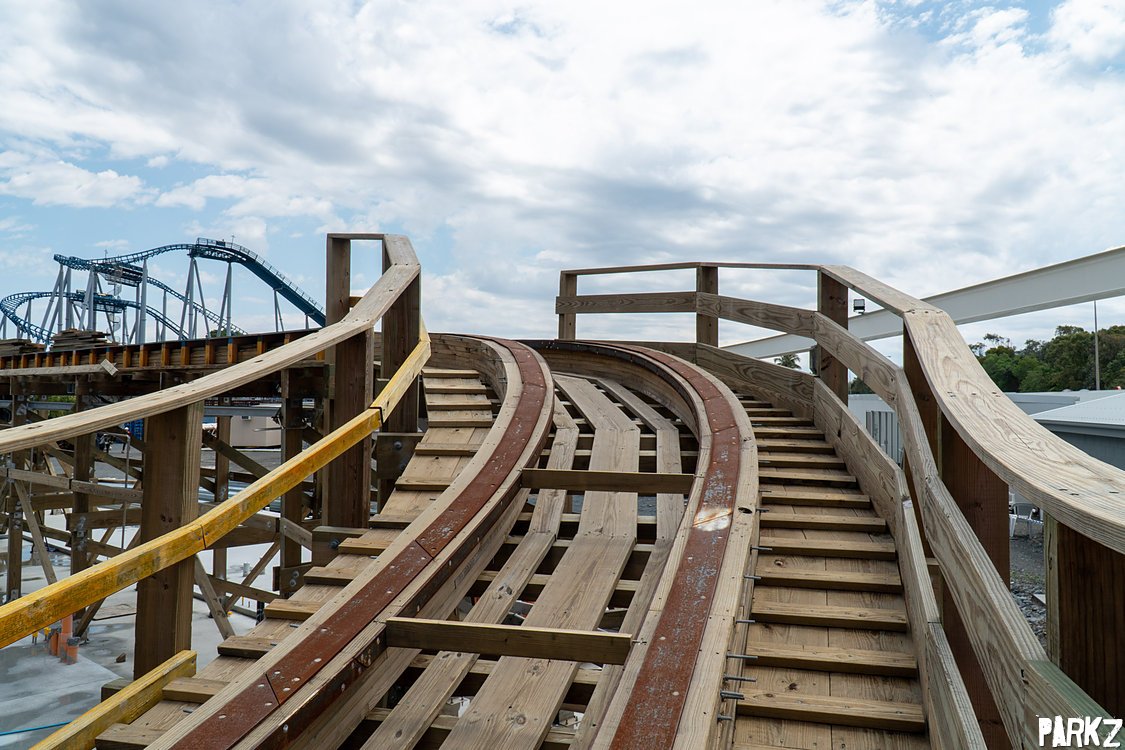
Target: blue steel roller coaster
[{"x": 131, "y": 270}]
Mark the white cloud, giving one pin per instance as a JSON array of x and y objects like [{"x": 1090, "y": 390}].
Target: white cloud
[
  {"x": 544, "y": 135},
  {"x": 59, "y": 183},
  {"x": 1091, "y": 30}
]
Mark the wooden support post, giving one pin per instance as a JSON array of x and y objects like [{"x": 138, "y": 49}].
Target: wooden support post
[
  {"x": 568, "y": 287},
  {"x": 348, "y": 488},
  {"x": 983, "y": 499},
  {"x": 14, "y": 587},
  {"x": 222, "y": 489},
  {"x": 293, "y": 501},
  {"x": 173, "y": 440},
  {"x": 393, "y": 451},
  {"x": 402, "y": 328},
  {"x": 706, "y": 326},
  {"x": 1085, "y": 614},
  {"x": 832, "y": 302},
  {"x": 83, "y": 466}
]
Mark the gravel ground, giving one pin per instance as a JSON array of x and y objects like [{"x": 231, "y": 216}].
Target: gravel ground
[{"x": 1028, "y": 579}]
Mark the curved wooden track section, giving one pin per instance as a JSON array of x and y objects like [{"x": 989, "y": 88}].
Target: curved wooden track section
[
  {"x": 599, "y": 545},
  {"x": 594, "y": 546}
]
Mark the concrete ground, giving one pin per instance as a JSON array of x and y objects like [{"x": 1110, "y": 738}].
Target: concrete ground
[{"x": 37, "y": 690}]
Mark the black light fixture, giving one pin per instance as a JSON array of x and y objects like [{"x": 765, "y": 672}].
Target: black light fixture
[{"x": 859, "y": 305}]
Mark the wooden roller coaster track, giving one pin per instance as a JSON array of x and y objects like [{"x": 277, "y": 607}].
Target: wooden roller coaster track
[{"x": 589, "y": 544}]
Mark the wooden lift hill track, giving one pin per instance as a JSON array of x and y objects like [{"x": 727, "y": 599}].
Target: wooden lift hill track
[{"x": 569, "y": 544}]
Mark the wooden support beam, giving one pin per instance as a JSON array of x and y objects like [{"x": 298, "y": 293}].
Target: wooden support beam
[
  {"x": 706, "y": 325},
  {"x": 508, "y": 640},
  {"x": 1085, "y": 614},
  {"x": 15, "y": 512},
  {"x": 327, "y": 540},
  {"x": 292, "y": 442},
  {"x": 295, "y": 533},
  {"x": 255, "y": 571},
  {"x": 348, "y": 477},
  {"x": 211, "y": 599},
  {"x": 83, "y": 466},
  {"x": 124, "y": 706},
  {"x": 171, "y": 500},
  {"x": 643, "y": 483},
  {"x": 568, "y": 287},
  {"x": 832, "y": 302},
  {"x": 222, "y": 488},
  {"x": 40, "y": 546},
  {"x": 236, "y": 590},
  {"x": 393, "y": 451},
  {"x": 104, "y": 368},
  {"x": 402, "y": 328}
]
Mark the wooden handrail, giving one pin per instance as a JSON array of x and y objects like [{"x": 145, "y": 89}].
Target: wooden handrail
[
  {"x": 1083, "y": 493},
  {"x": 1079, "y": 491}
]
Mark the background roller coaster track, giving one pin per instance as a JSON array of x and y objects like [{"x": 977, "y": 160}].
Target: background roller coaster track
[{"x": 124, "y": 269}]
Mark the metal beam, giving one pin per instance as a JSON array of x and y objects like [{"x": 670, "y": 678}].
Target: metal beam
[{"x": 1079, "y": 280}]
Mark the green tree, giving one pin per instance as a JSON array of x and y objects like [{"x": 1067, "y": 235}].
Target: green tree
[
  {"x": 1000, "y": 361},
  {"x": 858, "y": 386},
  {"x": 788, "y": 360}
]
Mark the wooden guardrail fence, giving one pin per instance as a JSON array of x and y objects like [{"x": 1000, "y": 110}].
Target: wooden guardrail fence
[
  {"x": 966, "y": 443},
  {"x": 393, "y": 299}
]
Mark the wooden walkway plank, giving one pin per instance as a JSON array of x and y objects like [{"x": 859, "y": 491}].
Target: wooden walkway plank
[
  {"x": 669, "y": 512},
  {"x": 423, "y": 702},
  {"x": 866, "y": 618},
  {"x": 907, "y": 717},
  {"x": 533, "y": 689}
]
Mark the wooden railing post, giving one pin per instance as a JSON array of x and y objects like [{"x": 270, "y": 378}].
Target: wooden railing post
[
  {"x": 1085, "y": 614},
  {"x": 14, "y": 585},
  {"x": 402, "y": 329},
  {"x": 292, "y": 442},
  {"x": 706, "y": 326},
  {"x": 174, "y": 441},
  {"x": 222, "y": 488},
  {"x": 348, "y": 492},
  {"x": 832, "y": 302},
  {"x": 568, "y": 287},
  {"x": 83, "y": 465},
  {"x": 982, "y": 498}
]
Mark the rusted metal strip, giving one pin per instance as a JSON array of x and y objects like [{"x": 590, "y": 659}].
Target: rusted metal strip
[
  {"x": 306, "y": 659},
  {"x": 661, "y": 687}
]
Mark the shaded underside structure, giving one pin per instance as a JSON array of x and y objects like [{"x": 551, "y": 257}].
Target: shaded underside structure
[{"x": 569, "y": 544}]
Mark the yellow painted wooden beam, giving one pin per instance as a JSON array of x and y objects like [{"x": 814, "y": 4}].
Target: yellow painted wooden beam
[{"x": 123, "y": 707}]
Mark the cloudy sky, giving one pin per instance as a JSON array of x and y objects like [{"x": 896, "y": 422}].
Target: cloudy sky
[{"x": 930, "y": 144}]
